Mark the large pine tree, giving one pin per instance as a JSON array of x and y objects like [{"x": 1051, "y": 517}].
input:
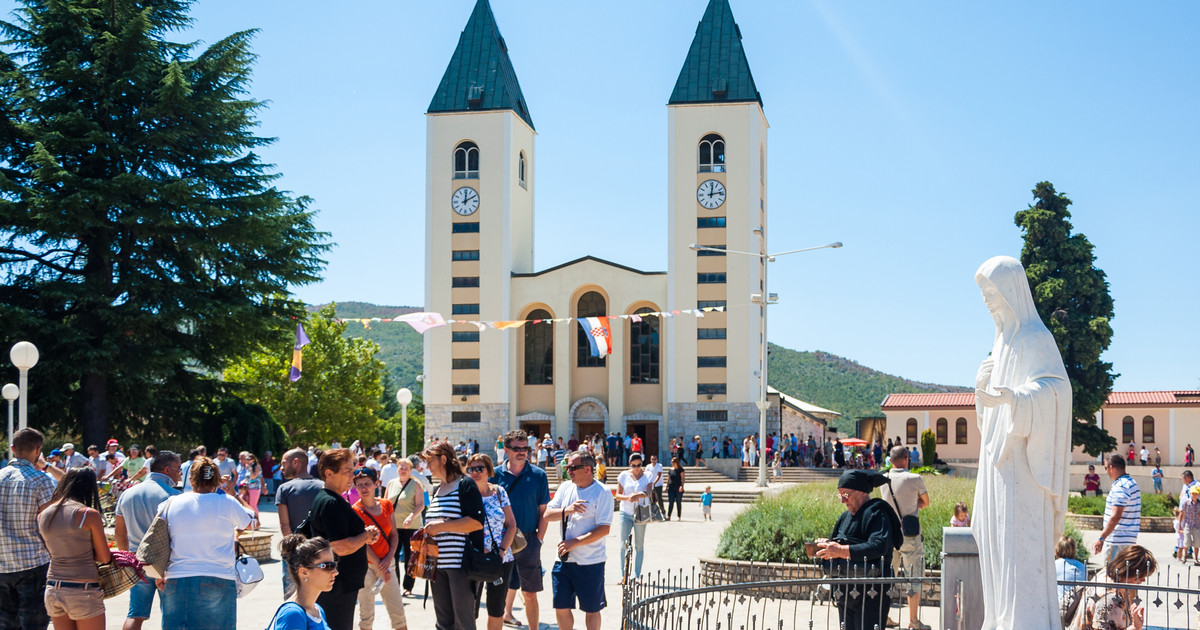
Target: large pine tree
[
  {"x": 1072, "y": 298},
  {"x": 142, "y": 242}
]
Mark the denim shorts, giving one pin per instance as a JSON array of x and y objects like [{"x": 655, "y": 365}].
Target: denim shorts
[
  {"x": 141, "y": 599},
  {"x": 582, "y": 581},
  {"x": 200, "y": 603}
]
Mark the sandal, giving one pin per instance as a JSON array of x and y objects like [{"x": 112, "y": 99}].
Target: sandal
[{"x": 512, "y": 623}]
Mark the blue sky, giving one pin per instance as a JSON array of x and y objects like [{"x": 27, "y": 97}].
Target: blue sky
[{"x": 910, "y": 131}]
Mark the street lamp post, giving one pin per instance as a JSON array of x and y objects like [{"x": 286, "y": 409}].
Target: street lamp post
[
  {"x": 404, "y": 396},
  {"x": 763, "y": 300},
  {"x": 24, "y": 355},
  {"x": 10, "y": 392}
]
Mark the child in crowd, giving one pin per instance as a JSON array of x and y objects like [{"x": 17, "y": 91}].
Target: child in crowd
[
  {"x": 706, "y": 503},
  {"x": 777, "y": 466},
  {"x": 1176, "y": 522},
  {"x": 961, "y": 518}
]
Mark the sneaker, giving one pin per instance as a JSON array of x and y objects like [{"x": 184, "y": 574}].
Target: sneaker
[{"x": 917, "y": 625}]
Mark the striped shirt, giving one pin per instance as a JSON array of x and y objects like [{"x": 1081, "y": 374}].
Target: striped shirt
[
  {"x": 1124, "y": 493},
  {"x": 450, "y": 545}
]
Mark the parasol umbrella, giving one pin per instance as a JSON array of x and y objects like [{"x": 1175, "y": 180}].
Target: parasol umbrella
[{"x": 854, "y": 442}]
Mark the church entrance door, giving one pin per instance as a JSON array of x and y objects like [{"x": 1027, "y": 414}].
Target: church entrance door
[{"x": 648, "y": 431}]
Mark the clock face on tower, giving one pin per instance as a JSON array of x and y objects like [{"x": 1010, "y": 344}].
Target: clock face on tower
[
  {"x": 465, "y": 200},
  {"x": 711, "y": 194}
]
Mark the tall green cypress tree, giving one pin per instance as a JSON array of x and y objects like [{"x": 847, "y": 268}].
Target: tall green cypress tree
[
  {"x": 1072, "y": 298},
  {"x": 142, "y": 242}
]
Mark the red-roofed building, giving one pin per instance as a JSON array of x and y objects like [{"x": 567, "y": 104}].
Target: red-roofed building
[{"x": 1167, "y": 420}]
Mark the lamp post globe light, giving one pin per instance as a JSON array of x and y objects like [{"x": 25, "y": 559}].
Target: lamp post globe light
[
  {"x": 763, "y": 300},
  {"x": 24, "y": 355},
  {"x": 404, "y": 396},
  {"x": 10, "y": 392}
]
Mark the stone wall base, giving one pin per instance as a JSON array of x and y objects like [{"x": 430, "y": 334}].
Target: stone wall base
[{"x": 493, "y": 421}]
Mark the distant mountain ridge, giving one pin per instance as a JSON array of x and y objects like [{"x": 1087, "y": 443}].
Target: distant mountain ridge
[{"x": 818, "y": 377}]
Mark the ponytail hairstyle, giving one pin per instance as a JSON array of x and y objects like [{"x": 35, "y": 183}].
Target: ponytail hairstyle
[
  {"x": 298, "y": 551},
  {"x": 205, "y": 476}
]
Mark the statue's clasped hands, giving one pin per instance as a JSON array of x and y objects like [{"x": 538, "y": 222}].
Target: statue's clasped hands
[{"x": 1002, "y": 395}]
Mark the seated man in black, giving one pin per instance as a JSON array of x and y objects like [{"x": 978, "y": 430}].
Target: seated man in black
[{"x": 860, "y": 546}]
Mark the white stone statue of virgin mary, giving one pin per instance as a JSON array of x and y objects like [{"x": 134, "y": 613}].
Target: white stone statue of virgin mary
[{"x": 1023, "y": 403}]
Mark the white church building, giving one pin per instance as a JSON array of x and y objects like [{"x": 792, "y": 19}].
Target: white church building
[{"x": 666, "y": 376}]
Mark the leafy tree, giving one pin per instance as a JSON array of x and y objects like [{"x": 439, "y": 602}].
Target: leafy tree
[
  {"x": 142, "y": 243},
  {"x": 338, "y": 396},
  {"x": 392, "y": 417},
  {"x": 1072, "y": 298}
]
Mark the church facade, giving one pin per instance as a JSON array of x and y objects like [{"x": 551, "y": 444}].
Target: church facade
[{"x": 666, "y": 376}]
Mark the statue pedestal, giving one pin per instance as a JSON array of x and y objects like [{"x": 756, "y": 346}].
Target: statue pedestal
[{"x": 962, "y": 587}]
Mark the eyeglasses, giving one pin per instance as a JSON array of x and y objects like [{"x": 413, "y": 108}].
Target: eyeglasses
[
  {"x": 476, "y": 469},
  {"x": 574, "y": 468},
  {"x": 519, "y": 449},
  {"x": 325, "y": 566},
  {"x": 635, "y": 465}
]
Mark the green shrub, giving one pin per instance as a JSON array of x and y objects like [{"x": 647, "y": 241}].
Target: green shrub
[
  {"x": 928, "y": 448},
  {"x": 1152, "y": 505}
]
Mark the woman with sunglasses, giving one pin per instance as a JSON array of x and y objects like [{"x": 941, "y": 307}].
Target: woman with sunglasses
[
  {"x": 313, "y": 568},
  {"x": 499, "y": 532},
  {"x": 380, "y": 554},
  {"x": 633, "y": 489},
  {"x": 455, "y": 512}
]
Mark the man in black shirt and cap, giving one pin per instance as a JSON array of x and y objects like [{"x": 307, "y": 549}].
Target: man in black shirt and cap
[{"x": 861, "y": 545}]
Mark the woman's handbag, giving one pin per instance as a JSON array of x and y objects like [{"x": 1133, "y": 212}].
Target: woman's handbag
[
  {"x": 484, "y": 566},
  {"x": 643, "y": 514},
  {"x": 248, "y": 572},
  {"x": 422, "y": 557},
  {"x": 518, "y": 542},
  {"x": 154, "y": 552},
  {"x": 119, "y": 575}
]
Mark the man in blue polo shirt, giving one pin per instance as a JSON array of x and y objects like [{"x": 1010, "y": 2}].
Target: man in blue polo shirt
[{"x": 529, "y": 492}]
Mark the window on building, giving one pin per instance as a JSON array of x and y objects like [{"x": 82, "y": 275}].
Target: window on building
[
  {"x": 591, "y": 304},
  {"x": 712, "y": 154},
  {"x": 714, "y": 362},
  {"x": 465, "y": 309},
  {"x": 465, "y": 416},
  {"x": 464, "y": 335},
  {"x": 539, "y": 349},
  {"x": 465, "y": 390},
  {"x": 521, "y": 170},
  {"x": 1148, "y": 429},
  {"x": 710, "y": 278},
  {"x": 464, "y": 364},
  {"x": 911, "y": 430},
  {"x": 1127, "y": 430},
  {"x": 643, "y": 348},
  {"x": 471, "y": 227},
  {"x": 943, "y": 431},
  {"x": 710, "y": 222},
  {"x": 706, "y": 252},
  {"x": 710, "y": 303},
  {"x": 461, "y": 282},
  {"x": 710, "y": 333},
  {"x": 712, "y": 415},
  {"x": 960, "y": 431},
  {"x": 710, "y": 389},
  {"x": 464, "y": 254},
  {"x": 466, "y": 161}
]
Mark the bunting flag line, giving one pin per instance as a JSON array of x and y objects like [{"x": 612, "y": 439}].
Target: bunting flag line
[
  {"x": 424, "y": 321},
  {"x": 599, "y": 335},
  {"x": 297, "y": 353},
  {"x": 421, "y": 321}
]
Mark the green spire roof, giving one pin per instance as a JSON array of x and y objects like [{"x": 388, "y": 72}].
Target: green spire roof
[
  {"x": 716, "y": 70},
  {"x": 480, "y": 75}
]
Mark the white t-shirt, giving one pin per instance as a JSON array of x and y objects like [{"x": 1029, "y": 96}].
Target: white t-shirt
[
  {"x": 387, "y": 474},
  {"x": 654, "y": 471},
  {"x": 202, "y": 535},
  {"x": 599, "y": 512},
  {"x": 629, "y": 486}
]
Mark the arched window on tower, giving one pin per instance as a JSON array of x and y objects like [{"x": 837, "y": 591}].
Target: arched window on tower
[
  {"x": 1127, "y": 430},
  {"x": 943, "y": 431},
  {"x": 591, "y": 304},
  {"x": 521, "y": 170},
  {"x": 1148, "y": 429},
  {"x": 643, "y": 348},
  {"x": 712, "y": 154},
  {"x": 911, "y": 431},
  {"x": 539, "y": 348},
  {"x": 466, "y": 161},
  {"x": 960, "y": 431}
]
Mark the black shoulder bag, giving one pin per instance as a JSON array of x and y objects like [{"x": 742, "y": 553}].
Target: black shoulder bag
[
  {"x": 909, "y": 525},
  {"x": 482, "y": 566}
]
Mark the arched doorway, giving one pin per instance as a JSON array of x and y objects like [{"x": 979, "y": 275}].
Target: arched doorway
[{"x": 588, "y": 416}]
